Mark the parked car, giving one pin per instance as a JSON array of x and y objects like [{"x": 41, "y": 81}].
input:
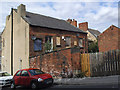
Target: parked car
[
  {"x": 5, "y": 79},
  {"x": 33, "y": 78}
]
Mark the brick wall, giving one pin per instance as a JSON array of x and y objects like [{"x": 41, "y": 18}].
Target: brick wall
[
  {"x": 65, "y": 60},
  {"x": 109, "y": 39},
  {"x": 83, "y": 26},
  {"x": 41, "y": 32}
]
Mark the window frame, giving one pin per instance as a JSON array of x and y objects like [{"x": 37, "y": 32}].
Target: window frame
[{"x": 50, "y": 39}]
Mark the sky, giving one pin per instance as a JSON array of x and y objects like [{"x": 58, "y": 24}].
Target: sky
[{"x": 100, "y": 14}]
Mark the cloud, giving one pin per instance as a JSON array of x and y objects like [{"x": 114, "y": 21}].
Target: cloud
[
  {"x": 104, "y": 17},
  {"x": 98, "y": 14},
  {"x": 60, "y": 1}
]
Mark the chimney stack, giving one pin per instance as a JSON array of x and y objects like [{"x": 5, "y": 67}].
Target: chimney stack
[
  {"x": 69, "y": 21},
  {"x": 21, "y": 10},
  {"x": 72, "y": 22},
  {"x": 83, "y": 26}
]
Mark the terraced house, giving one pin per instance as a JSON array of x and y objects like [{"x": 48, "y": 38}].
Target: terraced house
[
  {"x": 27, "y": 34},
  {"x": 109, "y": 39},
  {"x": 92, "y": 35}
]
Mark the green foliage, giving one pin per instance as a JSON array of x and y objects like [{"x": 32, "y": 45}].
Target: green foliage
[
  {"x": 93, "y": 47},
  {"x": 48, "y": 46}
]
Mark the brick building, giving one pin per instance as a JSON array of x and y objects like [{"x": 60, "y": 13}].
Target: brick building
[
  {"x": 92, "y": 33},
  {"x": 28, "y": 34},
  {"x": 109, "y": 39}
]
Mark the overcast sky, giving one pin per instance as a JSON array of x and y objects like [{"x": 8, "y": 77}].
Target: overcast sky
[{"x": 99, "y": 15}]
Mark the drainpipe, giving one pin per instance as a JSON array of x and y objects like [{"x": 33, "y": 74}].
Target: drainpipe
[{"x": 11, "y": 41}]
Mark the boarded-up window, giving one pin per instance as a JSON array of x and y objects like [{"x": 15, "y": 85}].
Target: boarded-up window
[
  {"x": 68, "y": 41},
  {"x": 58, "y": 41},
  {"x": 38, "y": 45},
  {"x": 75, "y": 43},
  {"x": 80, "y": 42}
]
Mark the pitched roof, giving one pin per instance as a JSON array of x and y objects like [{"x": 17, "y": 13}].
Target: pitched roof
[
  {"x": 110, "y": 27},
  {"x": 49, "y": 22},
  {"x": 94, "y": 32}
]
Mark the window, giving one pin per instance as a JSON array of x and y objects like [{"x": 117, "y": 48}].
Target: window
[
  {"x": 49, "y": 40},
  {"x": 36, "y": 72},
  {"x": 80, "y": 42},
  {"x": 4, "y": 74},
  {"x": 38, "y": 45},
  {"x": 68, "y": 41},
  {"x": 24, "y": 73},
  {"x": 58, "y": 41},
  {"x": 75, "y": 43},
  {"x": 18, "y": 74}
]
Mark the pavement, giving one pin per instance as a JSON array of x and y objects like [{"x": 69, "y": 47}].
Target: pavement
[{"x": 89, "y": 80}]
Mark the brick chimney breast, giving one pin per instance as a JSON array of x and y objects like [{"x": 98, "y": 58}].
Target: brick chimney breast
[
  {"x": 83, "y": 26},
  {"x": 21, "y": 10}
]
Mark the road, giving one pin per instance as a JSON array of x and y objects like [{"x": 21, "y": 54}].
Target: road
[
  {"x": 71, "y": 87},
  {"x": 108, "y": 82}
]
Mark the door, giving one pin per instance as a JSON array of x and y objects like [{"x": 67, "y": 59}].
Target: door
[
  {"x": 25, "y": 78},
  {"x": 17, "y": 78}
]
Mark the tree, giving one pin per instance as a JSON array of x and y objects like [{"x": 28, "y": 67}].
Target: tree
[{"x": 93, "y": 47}]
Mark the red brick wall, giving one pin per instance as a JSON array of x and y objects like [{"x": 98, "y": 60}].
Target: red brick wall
[
  {"x": 83, "y": 26},
  {"x": 55, "y": 62},
  {"x": 41, "y": 32},
  {"x": 109, "y": 39}
]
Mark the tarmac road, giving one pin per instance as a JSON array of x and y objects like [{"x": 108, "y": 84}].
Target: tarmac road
[
  {"x": 108, "y": 82},
  {"x": 71, "y": 87}
]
